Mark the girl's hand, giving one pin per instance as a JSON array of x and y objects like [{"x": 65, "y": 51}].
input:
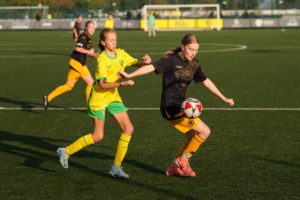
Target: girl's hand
[
  {"x": 123, "y": 74},
  {"x": 147, "y": 59},
  {"x": 229, "y": 101},
  {"x": 95, "y": 55},
  {"x": 127, "y": 83}
]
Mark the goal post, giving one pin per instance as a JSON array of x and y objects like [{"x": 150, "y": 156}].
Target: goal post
[
  {"x": 183, "y": 17},
  {"x": 23, "y": 12}
]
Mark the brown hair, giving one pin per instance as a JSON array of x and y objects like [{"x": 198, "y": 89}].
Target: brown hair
[
  {"x": 87, "y": 24},
  {"x": 186, "y": 40},
  {"x": 103, "y": 36}
]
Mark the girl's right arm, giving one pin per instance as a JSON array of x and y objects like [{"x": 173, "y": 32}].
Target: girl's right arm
[
  {"x": 139, "y": 72},
  {"x": 105, "y": 85},
  {"x": 90, "y": 52},
  {"x": 75, "y": 34}
]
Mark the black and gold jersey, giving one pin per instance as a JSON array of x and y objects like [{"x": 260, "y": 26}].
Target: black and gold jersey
[
  {"x": 84, "y": 41},
  {"x": 178, "y": 73},
  {"x": 77, "y": 27}
]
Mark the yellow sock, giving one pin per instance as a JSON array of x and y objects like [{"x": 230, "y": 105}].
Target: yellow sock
[
  {"x": 80, "y": 144},
  {"x": 182, "y": 148},
  {"x": 121, "y": 149},
  {"x": 192, "y": 146},
  {"x": 88, "y": 91},
  {"x": 58, "y": 91}
]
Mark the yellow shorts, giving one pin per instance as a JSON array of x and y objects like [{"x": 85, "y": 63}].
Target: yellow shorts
[
  {"x": 184, "y": 124},
  {"x": 78, "y": 67}
]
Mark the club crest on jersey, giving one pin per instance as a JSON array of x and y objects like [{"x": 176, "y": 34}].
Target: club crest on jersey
[
  {"x": 191, "y": 122},
  {"x": 122, "y": 63}
]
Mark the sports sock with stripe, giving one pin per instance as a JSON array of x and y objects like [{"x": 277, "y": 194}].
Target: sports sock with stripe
[
  {"x": 121, "y": 149},
  {"x": 79, "y": 144}
]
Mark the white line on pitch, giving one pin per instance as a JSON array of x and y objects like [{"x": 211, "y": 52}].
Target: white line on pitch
[{"x": 223, "y": 109}]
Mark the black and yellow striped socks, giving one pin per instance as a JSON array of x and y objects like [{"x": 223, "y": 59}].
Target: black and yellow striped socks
[{"x": 192, "y": 146}]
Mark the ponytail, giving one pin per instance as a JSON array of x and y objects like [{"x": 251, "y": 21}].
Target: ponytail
[
  {"x": 101, "y": 47},
  {"x": 172, "y": 51}
]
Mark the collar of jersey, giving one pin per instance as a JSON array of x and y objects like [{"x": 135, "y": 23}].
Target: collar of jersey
[
  {"x": 183, "y": 58},
  {"x": 111, "y": 56}
]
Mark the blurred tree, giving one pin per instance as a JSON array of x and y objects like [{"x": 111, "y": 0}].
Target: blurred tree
[
  {"x": 80, "y": 6},
  {"x": 98, "y": 4}
]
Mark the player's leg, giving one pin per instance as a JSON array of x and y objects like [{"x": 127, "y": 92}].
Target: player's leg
[
  {"x": 173, "y": 169},
  {"x": 86, "y": 140},
  {"x": 88, "y": 79},
  {"x": 201, "y": 132},
  {"x": 154, "y": 30},
  {"x": 119, "y": 111},
  {"x": 197, "y": 135},
  {"x": 191, "y": 128},
  {"x": 72, "y": 78}
]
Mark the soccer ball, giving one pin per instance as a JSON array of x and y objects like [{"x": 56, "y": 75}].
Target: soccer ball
[{"x": 192, "y": 108}]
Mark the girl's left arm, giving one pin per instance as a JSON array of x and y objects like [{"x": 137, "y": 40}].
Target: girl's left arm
[
  {"x": 146, "y": 60},
  {"x": 213, "y": 88}
]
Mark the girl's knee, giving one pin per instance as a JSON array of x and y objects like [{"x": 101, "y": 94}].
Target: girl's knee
[
  {"x": 129, "y": 129},
  {"x": 205, "y": 133},
  {"x": 88, "y": 80},
  {"x": 91, "y": 82},
  {"x": 70, "y": 85}
]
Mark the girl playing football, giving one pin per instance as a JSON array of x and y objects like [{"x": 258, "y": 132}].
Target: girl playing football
[
  {"x": 105, "y": 96},
  {"x": 84, "y": 47},
  {"x": 179, "y": 68}
]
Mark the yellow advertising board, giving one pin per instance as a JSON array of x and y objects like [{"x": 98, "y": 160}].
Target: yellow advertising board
[{"x": 203, "y": 23}]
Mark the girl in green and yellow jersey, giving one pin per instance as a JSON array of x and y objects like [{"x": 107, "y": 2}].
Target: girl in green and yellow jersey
[{"x": 105, "y": 96}]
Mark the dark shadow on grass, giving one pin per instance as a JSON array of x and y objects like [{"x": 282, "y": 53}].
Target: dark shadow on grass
[
  {"x": 26, "y": 106},
  {"x": 267, "y": 51},
  {"x": 275, "y": 161},
  {"x": 29, "y": 106},
  {"x": 34, "y": 159},
  {"x": 145, "y": 167},
  {"x": 130, "y": 181},
  {"x": 45, "y": 144}
]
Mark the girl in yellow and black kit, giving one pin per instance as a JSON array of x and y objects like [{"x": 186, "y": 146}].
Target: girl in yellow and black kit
[
  {"x": 84, "y": 47},
  {"x": 105, "y": 96},
  {"x": 179, "y": 68},
  {"x": 77, "y": 28}
]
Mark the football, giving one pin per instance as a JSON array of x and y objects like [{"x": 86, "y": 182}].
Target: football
[{"x": 192, "y": 108}]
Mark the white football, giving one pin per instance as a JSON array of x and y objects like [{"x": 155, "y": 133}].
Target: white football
[{"x": 192, "y": 108}]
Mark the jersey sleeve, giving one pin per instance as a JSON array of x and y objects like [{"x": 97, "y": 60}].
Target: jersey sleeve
[
  {"x": 101, "y": 71},
  {"x": 82, "y": 41},
  {"x": 128, "y": 60},
  {"x": 163, "y": 65},
  {"x": 199, "y": 75}
]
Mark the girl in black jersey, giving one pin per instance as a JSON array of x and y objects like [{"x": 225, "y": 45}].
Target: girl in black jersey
[
  {"x": 77, "y": 28},
  {"x": 77, "y": 64},
  {"x": 179, "y": 68}
]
